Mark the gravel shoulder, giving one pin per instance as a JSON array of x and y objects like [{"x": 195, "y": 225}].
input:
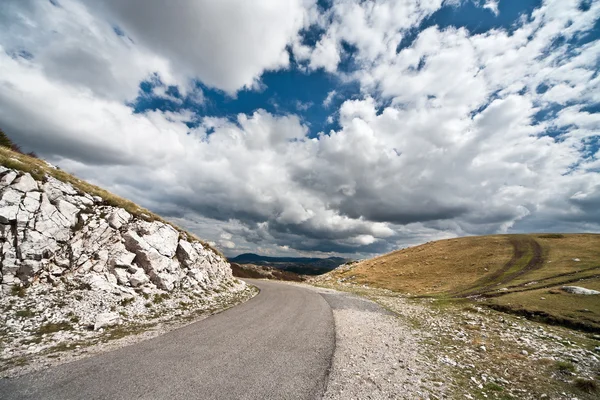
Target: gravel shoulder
[
  {"x": 390, "y": 346},
  {"x": 20, "y": 355}
]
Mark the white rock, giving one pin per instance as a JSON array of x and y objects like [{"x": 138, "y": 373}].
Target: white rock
[
  {"x": 121, "y": 259},
  {"x": 579, "y": 290},
  {"x": 8, "y": 178},
  {"x": 576, "y": 259},
  {"x": 186, "y": 253},
  {"x": 134, "y": 243},
  {"x": 160, "y": 236},
  {"x": 98, "y": 283},
  {"x": 121, "y": 275},
  {"x": 139, "y": 278},
  {"x": 25, "y": 183},
  {"x": 106, "y": 319},
  {"x": 118, "y": 218},
  {"x": 68, "y": 210}
]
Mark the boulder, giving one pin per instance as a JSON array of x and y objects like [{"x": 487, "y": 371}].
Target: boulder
[
  {"x": 106, "y": 319},
  {"x": 186, "y": 253},
  {"x": 121, "y": 259},
  {"x": 118, "y": 218},
  {"x": 25, "y": 183},
  {"x": 579, "y": 290},
  {"x": 139, "y": 278},
  {"x": 134, "y": 243},
  {"x": 160, "y": 236},
  {"x": 68, "y": 211},
  {"x": 8, "y": 178}
]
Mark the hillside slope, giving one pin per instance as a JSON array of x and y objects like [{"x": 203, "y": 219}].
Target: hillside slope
[
  {"x": 77, "y": 260},
  {"x": 518, "y": 273},
  {"x": 297, "y": 265},
  {"x": 263, "y": 272}
]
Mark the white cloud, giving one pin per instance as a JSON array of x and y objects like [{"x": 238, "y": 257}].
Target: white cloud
[
  {"x": 492, "y": 5},
  {"x": 443, "y": 139},
  {"x": 329, "y": 98},
  {"x": 226, "y": 44}
]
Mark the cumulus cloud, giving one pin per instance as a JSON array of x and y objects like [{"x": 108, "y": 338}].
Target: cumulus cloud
[
  {"x": 227, "y": 44},
  {"x": 455, "y": 133}
]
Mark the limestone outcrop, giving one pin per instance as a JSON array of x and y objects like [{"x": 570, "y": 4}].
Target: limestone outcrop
[
  {"x": 68, "y": 258},
  {"x": 50, "y": 232}
]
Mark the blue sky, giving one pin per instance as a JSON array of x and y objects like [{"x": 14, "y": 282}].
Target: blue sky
[{"x": 298, "y": 127}]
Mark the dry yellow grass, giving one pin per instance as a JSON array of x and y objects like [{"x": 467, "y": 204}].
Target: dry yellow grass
[
  {"x": 436, "y": 267},
  {"x": 517, "y": 273}
]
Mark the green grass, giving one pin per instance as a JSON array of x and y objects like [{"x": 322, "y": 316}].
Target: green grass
[
  {"x": 588, "y": 386},
  {"x": 26, "y": 313},
  {"x": 54, "y": 327},
  {"x": 19, "y": 291},
  {"x": 565, "y": 367}
]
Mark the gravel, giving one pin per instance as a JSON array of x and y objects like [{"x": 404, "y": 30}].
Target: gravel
[
  {"x": 377, "y": 356},
  {"x": 427, "y": 349}
]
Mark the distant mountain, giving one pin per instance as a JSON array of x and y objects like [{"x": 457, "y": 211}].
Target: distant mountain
[{"x": 298, "y": 265}]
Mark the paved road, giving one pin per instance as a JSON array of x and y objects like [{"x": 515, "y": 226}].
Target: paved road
[{"x": 278, "y": 345}]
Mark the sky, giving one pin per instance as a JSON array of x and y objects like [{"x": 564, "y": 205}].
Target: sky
[{"x": 329, "y": 127}]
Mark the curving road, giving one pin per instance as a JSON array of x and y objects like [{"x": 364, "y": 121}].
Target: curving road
[{"x": 278, "y": 345}]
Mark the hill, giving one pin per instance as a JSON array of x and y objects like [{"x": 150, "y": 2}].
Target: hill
[
  {"x": 297, "y": 265},
  {"x": 523, "y": 274},
  {"x": 263, "y": 272},
  {"x": 80, "y": 265}
]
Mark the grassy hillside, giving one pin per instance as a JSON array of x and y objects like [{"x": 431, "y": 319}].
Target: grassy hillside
[{"x": 516, "y": 273}]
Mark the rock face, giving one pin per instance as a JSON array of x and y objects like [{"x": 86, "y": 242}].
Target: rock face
[
  {"x": 66, "y": 256},
  {"x": 49, "y": 232}
]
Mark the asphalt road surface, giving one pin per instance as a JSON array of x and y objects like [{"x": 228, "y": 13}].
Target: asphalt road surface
[{"x": 278, "y": 345}]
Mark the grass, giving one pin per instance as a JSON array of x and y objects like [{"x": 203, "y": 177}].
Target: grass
[
  {"x": 589, "y": 386},
  {"x": 160, "y": 297},
  {"x": 521, "y": 274},
  {"x": 54, "y": 327},
  {"x": 565, "y": 367},
  {"x": 40, "y": 171},
  {"x": 19, "y": 291},
  {"x": 26, "y": 313},
  {"x": 125, "y": 302}
]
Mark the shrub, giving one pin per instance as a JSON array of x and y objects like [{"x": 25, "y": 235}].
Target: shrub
[
  {"x": 565, "y": 367},
  {"x": 586, "y": 385}
]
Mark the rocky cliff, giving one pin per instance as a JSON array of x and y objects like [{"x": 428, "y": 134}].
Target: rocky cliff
[{"x": 71, "y": 264}]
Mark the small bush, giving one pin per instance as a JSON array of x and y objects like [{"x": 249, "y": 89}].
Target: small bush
[
  {"x": 160, "y": 297},
  {"x": 126, "y": 302},
  {"x": 551, "y": 236},
  {"x": 565, "y": 367},
  {"x": 586, "y": 385},
  {"x": 493, "y": 387},
  {"x": 20, "y": 291},
  {"x": 27, "y": 313},
  {"x": 51, "y": 328}
]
